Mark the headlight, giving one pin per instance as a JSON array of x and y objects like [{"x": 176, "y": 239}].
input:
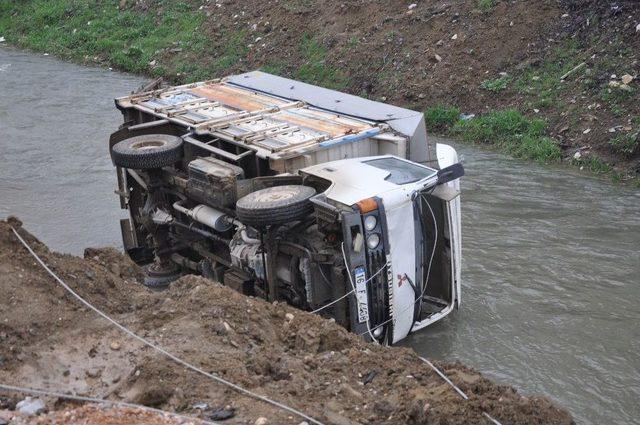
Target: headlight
[
  {"x": 370, "y": 222},
  {"x": 373, "y": 240}
]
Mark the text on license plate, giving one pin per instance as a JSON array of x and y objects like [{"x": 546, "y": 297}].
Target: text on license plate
[{"x": 361, "y": 295}]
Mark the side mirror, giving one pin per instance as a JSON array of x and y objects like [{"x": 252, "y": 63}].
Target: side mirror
[{"x": 449, "y": 173}]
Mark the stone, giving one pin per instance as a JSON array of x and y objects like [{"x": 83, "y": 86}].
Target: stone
[
  {"x": 438, "y": 57},
  {"x": 2, "y": 40},
  {"x": 30, "y": 406},
  {"x": 454, "y": 37},
  {"x": 626, "y": 79},
  {"x": 93, "y": 372},
  {"x": 412, "y": 6},
  {"x": 115, "y": 345},
  {"x": 261, "y": 421},
  {"x": 288, "y": 317}
]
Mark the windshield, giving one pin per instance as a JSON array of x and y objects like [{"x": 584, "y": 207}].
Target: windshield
[{"x": 402, "y": 172}]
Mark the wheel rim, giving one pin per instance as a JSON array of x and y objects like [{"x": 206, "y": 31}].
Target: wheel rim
[
  {"x": 148, "y": 145},
  {"x": 280, "y": 195}
]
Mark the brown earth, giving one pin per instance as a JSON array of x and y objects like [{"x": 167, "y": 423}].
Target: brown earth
[
  {"x": 441, "y": 52},
  {"x": 49, "y": 341}
]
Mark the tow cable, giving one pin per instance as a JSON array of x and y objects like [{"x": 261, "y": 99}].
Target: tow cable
[{"x": 161, "y": 350}]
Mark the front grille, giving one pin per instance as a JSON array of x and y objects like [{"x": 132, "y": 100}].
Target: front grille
[{"x": 378, "y": 289}]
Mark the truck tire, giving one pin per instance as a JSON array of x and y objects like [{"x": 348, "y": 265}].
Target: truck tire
[
  {"x": 275, "y": 205},
  {"x": 147, "y": 151}
]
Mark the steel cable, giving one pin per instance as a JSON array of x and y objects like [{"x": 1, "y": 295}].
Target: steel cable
[{"x": 161, "y": 350}]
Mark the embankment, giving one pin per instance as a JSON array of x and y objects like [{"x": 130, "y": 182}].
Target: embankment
[
  {"x": 49, "y": 341},
  {"x": 548, "y": 80}
]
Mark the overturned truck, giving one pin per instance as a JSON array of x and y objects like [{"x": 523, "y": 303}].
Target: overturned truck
[{"x": 291, "y": 192}]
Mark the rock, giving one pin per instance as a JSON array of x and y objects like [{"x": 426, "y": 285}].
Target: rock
[
  {"x": 30, "y": 406},
  {"x": 587, "y": 131},
  {"x": 626, "y": 79},
  {"x": 2, "y": 40},
  {"x": 289, "y": 317},
  {"x": 115, "y": 345},
  {"x": 577, "y": 155},
  {"x": 201, "y": 406},
  {"x": 222, "y": 328},
  {"x": 153, "y": 63},
  {"x": 261, "y": 421},
  {"x": 454, "y": 37},
  {"x": 439, "y": 43},
  {"x": 412, "y": 6},
  {"x": 222, "y": 413},
  {"x": 638, "y": 28},
  {"x": 5, "y": 417},
  {"x": 304, "y": 423},
  {"x": 625, "y": 87},
  {"x": 93, "y": 372},
  {"x": 438, "y": 57},
  {"x": 347, "y": 390}
]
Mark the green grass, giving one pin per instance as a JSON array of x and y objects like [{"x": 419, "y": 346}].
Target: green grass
[
  {"x": 594, "y": 164},
  {"x": 626, "y": 144},
  {"x": 496, "y": 85},
  {"x": 511, "y": 132},
  {"x": 125, "y": 39},
  {"x": 315, "y": 70},
  {"x": 440, "y": 118},
  {"x": 486, "y": 5}
]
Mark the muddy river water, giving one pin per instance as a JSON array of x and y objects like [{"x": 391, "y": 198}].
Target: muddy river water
[{"x": 551, "y": 258}]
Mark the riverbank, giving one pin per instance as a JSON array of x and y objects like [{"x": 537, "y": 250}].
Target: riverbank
[
  {"x": 552, "y": 81},
  {"x": 300, "y": 359}
]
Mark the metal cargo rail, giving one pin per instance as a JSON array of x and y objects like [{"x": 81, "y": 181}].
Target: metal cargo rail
[{"x": 290, "y": 131}]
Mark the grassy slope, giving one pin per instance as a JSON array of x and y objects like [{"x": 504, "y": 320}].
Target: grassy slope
[{"x": 185, "y": 42}]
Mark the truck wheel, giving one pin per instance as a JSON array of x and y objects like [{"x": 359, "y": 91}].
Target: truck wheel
[
  {"x": 147, "y": 151},
  {"x": 275, "y": 205}
]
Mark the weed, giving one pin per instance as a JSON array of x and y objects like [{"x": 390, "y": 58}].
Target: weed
[
  {"x": 626, "y": 144},
  {"x": 496, "y": 85},
  {"x": 513, "y": 133},
  {"x": 593, "y": 163},
  {"x": 440, "y": 118},
  {"x": 486, "y": 5},
  {"x": 315, "y": 70}
]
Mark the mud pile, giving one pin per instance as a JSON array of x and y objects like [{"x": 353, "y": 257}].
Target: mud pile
[{"x": 48, "y": 341}]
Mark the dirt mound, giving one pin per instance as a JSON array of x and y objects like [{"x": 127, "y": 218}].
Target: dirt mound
[{"x": 300, "y": 359}]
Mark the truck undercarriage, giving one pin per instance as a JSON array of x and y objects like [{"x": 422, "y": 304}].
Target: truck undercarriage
[{"x": 294, "y": 201}]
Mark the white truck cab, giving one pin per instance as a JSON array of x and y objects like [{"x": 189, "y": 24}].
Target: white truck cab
[{"x": 287, "y": 191}]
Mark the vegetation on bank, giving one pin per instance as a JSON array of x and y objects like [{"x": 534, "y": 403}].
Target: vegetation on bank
[{"x": 507, "y": 129}]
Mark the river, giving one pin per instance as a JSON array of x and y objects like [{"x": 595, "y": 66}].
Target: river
[{"x": 551, "y": 258}]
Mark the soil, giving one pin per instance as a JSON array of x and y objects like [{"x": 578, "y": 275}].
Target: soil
[
  {"x": 49, "y": 341},
  {"x": 440, "y": 52}
]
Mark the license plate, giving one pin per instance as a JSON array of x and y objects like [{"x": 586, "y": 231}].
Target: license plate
[{"x": 361, "y": 295}]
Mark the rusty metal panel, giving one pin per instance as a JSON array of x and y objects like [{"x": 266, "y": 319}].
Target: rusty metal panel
[{"x": 237, "y": 98}]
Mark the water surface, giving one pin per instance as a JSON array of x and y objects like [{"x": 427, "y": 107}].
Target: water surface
[{"x": 551, "y": 259}]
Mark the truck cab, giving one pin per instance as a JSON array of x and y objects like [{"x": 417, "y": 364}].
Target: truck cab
[{"x": 279, "y": 189}]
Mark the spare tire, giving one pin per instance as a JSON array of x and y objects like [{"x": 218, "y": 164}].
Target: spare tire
[
  {"x": 275, "y": 205},
  {"x": 147, "y": 151}
]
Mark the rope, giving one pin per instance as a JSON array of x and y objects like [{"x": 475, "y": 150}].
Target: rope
[
  {"x": 455, "y": 387},
  {"x": 99, "y": 400},
  {"x": 161, "y": 350},
  {"x": 348, "y": 293}
]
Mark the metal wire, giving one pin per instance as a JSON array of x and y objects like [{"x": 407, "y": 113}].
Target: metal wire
[
  {"x": 162, "y": 350},
  {"x": 348, "y": 293},
  {"x": 100, "y": 401},
  {"x": 424, "y": 290},
  {"x": 455, "y": 387}
]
